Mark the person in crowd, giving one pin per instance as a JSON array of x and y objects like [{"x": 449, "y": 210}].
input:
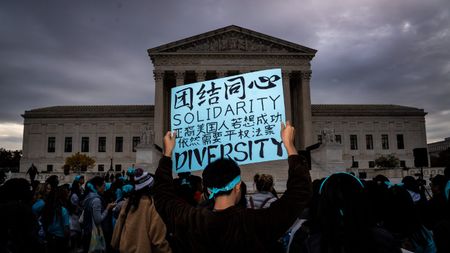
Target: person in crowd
[
  {"x": 403, "y": 221},
  {"x": 294, "y": 239},
  {"x": 75, "y": 210},
  {"x": 442, "y": 227},
  {"x": 264, "y": 197},
  {"x": 42, "y": 192},
  {"x": 39, "y": 197},
  {"x": 127, "y": 189},
  {"x": 415, "y": 189},
  {"x": 342, "y": 223},
  {"x": 130, "y": 174},
  {"x": 139, "y": 227},
  {"x": 81, "y": 181},
  {"x": 112, "y": 192},
  {"x": 94, "y": 210},
  {"x": 381, "y": 180},
  {"x": 56, "y": 220},
  {"x": 52, "y": 183},
  {"x": 19, "y": 228},
  {"x": 228, "y": 227},
  {"x": 106, "y": 177},
  {"x": 32, "y": 171},
  {"x": 188, "y": 187},
  {"x": 436, "y": 207},
  {"x": 377, "y": 193}
]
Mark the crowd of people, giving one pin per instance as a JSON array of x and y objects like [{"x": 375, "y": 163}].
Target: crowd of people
[{"x": 141, "y": 212}]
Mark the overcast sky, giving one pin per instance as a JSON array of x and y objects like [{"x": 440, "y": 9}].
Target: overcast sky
[{"x": 64, "y": 52}]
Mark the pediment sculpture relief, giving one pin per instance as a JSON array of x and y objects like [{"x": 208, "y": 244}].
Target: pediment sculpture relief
[{"x": 232, "y": 42}]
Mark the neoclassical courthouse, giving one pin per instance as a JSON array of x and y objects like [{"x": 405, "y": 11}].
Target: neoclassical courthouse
[{"x": 351, "y": 135}]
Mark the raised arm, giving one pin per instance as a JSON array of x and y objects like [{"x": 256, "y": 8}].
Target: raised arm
[
  {"x": 272, "y": 222},
  {"x": 168, "y": 204}
]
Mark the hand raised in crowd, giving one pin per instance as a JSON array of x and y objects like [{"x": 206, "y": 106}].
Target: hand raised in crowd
[
  {"x": 169, "y": 143},
  {"x": 288, "y": 135}
]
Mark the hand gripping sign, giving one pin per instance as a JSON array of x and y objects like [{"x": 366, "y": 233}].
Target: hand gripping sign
[{"x": 237, "y": 117}]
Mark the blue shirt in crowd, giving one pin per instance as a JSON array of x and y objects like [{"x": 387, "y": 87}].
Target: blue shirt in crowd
[
  {"x": 57, "y": 226},
  {"x": 37, "y": 207}
]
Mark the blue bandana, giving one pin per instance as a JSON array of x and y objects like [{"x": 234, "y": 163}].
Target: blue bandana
[
  {"x": 389, "y": 184},
  {"x": 91, "y": 187},
  {"x": 76, "y": 180},
  {"x": 127, "y": 188},
  {"x": 131, "y": 171},
  {"x": 226, "y": 188}
]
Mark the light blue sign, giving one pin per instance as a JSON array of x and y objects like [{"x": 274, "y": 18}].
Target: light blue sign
[{"x": 237, "y": 117}]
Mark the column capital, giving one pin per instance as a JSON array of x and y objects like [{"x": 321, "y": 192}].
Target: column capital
[
  {"x": 179, "y": 74},
  {"x": 179, "y": 77},
  {"x": 306, "y": 75},
  {"x": 286, "y": 73},
  {"x": 158, "y": 75},
  {"x": 221, "y": 73},
  {"x": 200, "y": 75}
]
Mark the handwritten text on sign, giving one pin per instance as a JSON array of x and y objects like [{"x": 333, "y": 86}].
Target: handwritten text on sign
[{"x": 237, "y": 117}]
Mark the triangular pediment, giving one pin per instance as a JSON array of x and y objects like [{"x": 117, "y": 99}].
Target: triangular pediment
[{"x": 231, "y": 39}]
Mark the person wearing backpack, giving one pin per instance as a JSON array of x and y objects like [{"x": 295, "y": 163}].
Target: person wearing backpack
[
  {"x": 264, "y": 196},
  {"x": 94, "y": 213},
  {"x": 229, "y": 227}
]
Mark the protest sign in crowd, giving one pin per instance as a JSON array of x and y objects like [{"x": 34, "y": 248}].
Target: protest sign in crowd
[{"x": 216, "y": 126}]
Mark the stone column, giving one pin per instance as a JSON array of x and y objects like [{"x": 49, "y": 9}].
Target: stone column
[
  {"x": 296, "y": 108},
  {"x": 179, "y": 77},
  {"x": 287, "y": 94},
  {"x": 200, "y": 75},
  {"x": 305, "y": 109},
  {"x": 158, "y": 124}
]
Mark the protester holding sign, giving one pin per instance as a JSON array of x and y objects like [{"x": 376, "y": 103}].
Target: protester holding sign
[{"x": 228, "y": 227}]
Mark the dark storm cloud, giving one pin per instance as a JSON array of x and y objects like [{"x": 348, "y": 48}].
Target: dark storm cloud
[{"x": 94, "y": 52}]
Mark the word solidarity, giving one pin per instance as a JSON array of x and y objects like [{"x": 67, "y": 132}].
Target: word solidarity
[{"x": 237, "y": 117}]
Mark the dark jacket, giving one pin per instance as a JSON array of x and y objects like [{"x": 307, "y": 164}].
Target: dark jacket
[
  {"x": 234, "y": 229},
  {"x": 383, "y": 242}
]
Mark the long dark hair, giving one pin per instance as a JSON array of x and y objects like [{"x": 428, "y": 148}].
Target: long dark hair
[
  {"x": 263, "y": 182},
  {"x": 56, "y": 199},
  {"x": 75, "y": 188},
  {"x": 343, "y": 215},
  {"x": 135, "y": 198}
]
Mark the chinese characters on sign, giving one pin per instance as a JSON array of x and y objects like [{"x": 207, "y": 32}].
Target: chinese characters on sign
[{"x": 237, "y": 117}]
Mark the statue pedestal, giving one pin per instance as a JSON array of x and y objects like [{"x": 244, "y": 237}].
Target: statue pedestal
[
  {"x": 327, "y": 159},
  {"x": 147, "y": 157}
]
